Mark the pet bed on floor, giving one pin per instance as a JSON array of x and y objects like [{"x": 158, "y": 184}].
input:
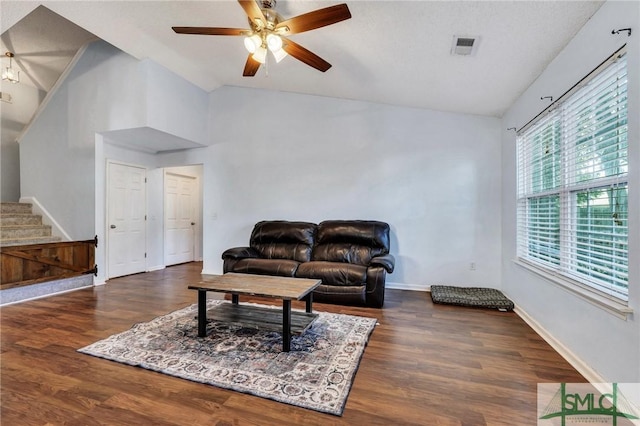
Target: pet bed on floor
[{"x": 471, "y": 296}]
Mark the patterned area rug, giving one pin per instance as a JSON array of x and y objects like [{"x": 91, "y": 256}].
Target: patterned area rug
[
  {"x": 471, "y": 296},
  {"x": 316, "y": 374}
]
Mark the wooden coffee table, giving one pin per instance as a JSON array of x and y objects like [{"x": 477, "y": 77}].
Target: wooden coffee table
[{"x": 284, "y": 288}]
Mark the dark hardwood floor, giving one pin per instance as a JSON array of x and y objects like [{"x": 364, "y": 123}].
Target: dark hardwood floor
[{"x": 425, "y": 364}]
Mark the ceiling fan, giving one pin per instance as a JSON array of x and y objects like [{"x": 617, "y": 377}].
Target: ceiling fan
[{"x": 268, "y": 30}]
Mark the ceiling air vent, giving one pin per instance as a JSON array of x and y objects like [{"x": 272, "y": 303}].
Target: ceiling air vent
[{"x": 464, "y": 46}]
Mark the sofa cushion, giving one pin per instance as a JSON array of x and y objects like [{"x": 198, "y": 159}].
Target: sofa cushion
[
  {"x": 333, "y": 273},
  {"x": 279, "y": 267},
  {"x": 351, "y": 241},
  {"x": 355, "y": 295},
  {"x": 277, "y": 239}
]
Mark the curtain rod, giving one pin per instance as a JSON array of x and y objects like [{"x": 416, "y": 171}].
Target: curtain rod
[{"x": 571, "y": 89}]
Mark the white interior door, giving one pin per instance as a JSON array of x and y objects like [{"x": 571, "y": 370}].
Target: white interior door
[
  {"x": 126, "y": 217},
  {"x": 179, "y": 218}
]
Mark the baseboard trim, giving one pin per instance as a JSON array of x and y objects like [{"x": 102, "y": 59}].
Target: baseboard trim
[
  {"x": 156, "y": 268},
  {"x": 576, "y": 362},
  {"x": 406, "y": 286}
]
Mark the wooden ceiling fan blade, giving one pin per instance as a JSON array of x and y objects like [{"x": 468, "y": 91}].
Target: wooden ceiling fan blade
[
  {"x": 252, "y": 10},
  {"x": 316, "y": 19},
  {"x": 306, "y": 56},
  {"x": 211, "y": 31},
  {"x": 250, "y": 67}
]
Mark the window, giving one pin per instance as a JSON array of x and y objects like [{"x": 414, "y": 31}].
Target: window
[{"x": 573, "y": 185}]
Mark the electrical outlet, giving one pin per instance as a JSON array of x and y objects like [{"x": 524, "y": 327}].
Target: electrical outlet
[{"x": 472, "y": 266}]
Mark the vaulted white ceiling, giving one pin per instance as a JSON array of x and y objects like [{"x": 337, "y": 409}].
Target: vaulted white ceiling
[{"x": 392, "y": 52}]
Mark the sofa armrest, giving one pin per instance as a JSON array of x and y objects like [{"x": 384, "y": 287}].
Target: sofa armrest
[
  {"x": 387, "y": 261},
  {"x": 240, "y": 253}
]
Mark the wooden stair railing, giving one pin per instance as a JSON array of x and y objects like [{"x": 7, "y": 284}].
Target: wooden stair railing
[{"x": 37, "y": 263}]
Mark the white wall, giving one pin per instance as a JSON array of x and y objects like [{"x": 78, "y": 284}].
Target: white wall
[
  {"x": 608, "y": 346},
  {"x": 57, "y": 152},
  {"x": 9, "y": 171},
  {"x": 433, "y": 176},
  {"x": 179, "y": 112},
  {"x": 63, "y": 154},
  {"x": 13, "y": 117}
]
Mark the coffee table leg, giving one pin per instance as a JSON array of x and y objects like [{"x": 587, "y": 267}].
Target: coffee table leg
[
  {"x": 310, "y": 303},
  {"x": 234, "y": 299},
  {"x": 286, "y": 325},
  {"x": 202, "y": 313}
]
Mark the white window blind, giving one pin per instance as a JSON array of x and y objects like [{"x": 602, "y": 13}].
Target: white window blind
[{"x": 573, "y": 186}]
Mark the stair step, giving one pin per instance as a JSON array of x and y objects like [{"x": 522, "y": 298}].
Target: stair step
[
  {"x": 24, "y": 208},
  {"x": 8, "y": 242},
  {"x": 25, "y": 231},
  {"x": 19, "y": 226},
  {"x": 13, "y": 219}
]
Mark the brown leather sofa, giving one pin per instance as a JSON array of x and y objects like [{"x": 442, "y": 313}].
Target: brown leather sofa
[{"x": 351, "y": 257}]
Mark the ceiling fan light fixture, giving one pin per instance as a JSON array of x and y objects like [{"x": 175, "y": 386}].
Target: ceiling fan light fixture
[
  {"x": 248, "y": 44},
  {"x": 274, "y": 42},
  {"x": 260, "y": 55},
  {"x": 252, "y": 43},
  {"x": 279, "y": 54}
]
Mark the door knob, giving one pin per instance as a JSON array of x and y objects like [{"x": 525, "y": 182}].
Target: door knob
[
  {"x": 112, "y": 227},
  {"x": 193, "y": 223}
]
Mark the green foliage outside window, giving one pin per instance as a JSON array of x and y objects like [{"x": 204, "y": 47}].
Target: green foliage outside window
[
  {"x": 602, "y": 235},
  {"x": 601, "y": 136}
]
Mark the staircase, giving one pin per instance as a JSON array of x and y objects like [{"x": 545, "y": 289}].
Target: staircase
[
  {"x": 19, "y": 226},
  {"x": 35, "y": 264}
]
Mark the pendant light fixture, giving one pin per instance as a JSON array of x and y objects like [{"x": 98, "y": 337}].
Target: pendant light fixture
[{"x": 8, "y": 73}]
